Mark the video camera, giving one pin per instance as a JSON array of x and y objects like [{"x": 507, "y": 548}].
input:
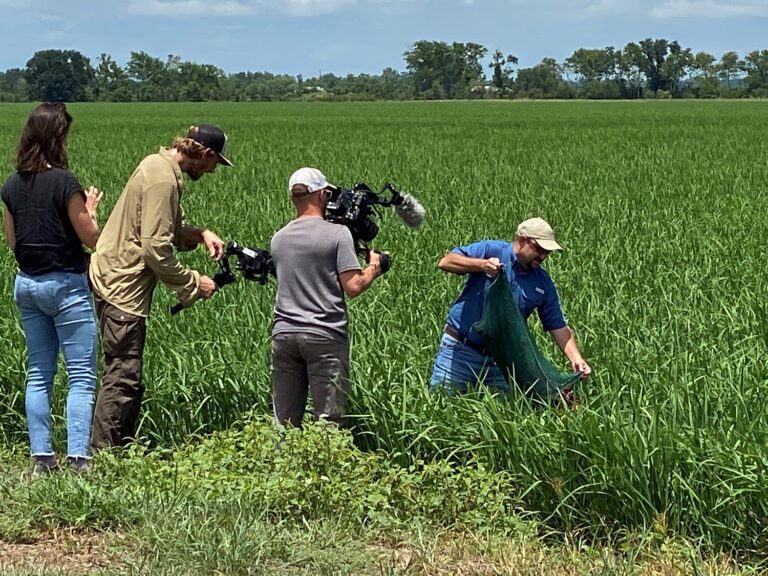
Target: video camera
[
  {"x": 358, "y": 208},
  {"x": 255, "y": 265}
]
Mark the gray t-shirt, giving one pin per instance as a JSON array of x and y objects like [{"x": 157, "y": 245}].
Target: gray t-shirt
[{"x": 309, "y": 254}]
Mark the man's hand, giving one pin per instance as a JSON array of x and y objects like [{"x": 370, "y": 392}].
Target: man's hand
[
  {"x": 381, "y": 261},
  {"x": 207, "y": 287},
  {"x": 581, "y": 366},
  {"x": 214, "y": 244},
  {"x": 491, "y": 267},
  {"x": 374, "y": 259}
]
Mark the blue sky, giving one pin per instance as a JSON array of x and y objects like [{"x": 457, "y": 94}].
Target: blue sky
[{"x": 355, "y": 36}]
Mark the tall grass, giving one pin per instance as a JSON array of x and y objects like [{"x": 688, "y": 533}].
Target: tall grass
[{"x": 660, "y": 208}]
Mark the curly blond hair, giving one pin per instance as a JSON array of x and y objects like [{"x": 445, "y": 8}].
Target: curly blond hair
[{"x": 192, "y": 149}]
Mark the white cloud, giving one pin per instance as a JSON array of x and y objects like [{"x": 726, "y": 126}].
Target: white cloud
[
  {"x": 235, "y": 8},
  {"x": 709, "y": 9},
  {"x": 14, "y": 4},
  {"x": 183, "y": 8},
  {"x": 46, "y": 17},
  {"x": 314, "y": 7},
  {"x": 605, "y": 7}
]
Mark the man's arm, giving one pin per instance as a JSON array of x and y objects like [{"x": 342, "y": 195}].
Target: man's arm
[
  {"x": 192, "y": 236},
  {"x": 564, "y": 339},
  {"x": 157, "y": 235},
  {"x": 355, "y": 282},
  {"x": 459, "y": 264}
]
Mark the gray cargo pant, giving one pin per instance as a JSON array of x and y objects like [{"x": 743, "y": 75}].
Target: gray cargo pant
[{"x": 304, "y": 363}]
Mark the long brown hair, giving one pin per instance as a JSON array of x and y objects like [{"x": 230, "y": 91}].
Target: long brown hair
[{"x": 43, "y": 141}]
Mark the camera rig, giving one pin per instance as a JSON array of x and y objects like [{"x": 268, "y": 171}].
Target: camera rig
[
  {"x": 359, "y": 207},
  {"x": 254, "y": 264}
]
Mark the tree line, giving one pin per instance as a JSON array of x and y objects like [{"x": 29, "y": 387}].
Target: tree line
[{"x": 651, "y": 68}]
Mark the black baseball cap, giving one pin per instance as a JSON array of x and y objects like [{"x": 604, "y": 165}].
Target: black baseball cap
[{"x": 211, "y": 137}]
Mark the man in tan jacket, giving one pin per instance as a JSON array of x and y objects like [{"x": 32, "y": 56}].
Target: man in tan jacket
[{"x": 136, "y": 250}]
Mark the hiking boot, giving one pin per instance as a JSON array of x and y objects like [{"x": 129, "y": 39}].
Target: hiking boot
[
  {"x": 79, "y": 464},
  {"x": 43, "y": 465}
]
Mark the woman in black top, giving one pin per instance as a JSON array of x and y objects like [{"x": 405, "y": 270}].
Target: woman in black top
[{"x": 47, "y": 218}]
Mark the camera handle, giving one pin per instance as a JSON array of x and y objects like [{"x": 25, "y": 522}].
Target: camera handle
[
  {"x": 385, "y": 261},
  {"x": 222, "y": 277}
]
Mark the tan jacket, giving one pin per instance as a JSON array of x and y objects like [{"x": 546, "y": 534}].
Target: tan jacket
[{"x": 135, "y": 249}]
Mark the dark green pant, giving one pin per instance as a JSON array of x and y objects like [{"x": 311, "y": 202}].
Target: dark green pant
[{"x": 119, "y": 399}]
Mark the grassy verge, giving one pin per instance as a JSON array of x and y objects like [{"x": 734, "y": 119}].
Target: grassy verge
[{"x": 254, "y": 500}]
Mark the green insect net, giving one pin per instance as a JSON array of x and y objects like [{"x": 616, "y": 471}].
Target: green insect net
[{"x": 505, "y": 334}]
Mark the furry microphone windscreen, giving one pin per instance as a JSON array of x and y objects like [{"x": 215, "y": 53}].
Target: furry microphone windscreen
[{"x": 410, "y": 211}]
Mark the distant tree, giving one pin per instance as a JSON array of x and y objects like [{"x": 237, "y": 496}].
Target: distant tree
[
  {"x": 265, "y": 86},
  {"x": 235, "y": 86},
  {"x": 434, "y": 70},
  {"x": 703, "y": 64},
  {"x": 502, "y": 71},
  {"x": 624, "y": 76},
  {"x": 110, "y": 82},
  {"x": 58, "y": 75},
  {"x": 467, "y": 58},
  {"x": 728, "y": 67},
  {"x": 396, "y": 85},
  {"x": 445, "y": 70},
  {"x": 13, "y": 85},
  {"x": 545, "y": 80},
  {"x": 592, "y": 64},
  {"x": 650, "y": 57},
  {"x": 755, "y": 65},
  {"x": 172, "y": 88},
  {"x": 598, "y": 70},
  {"x": 357, "y": 87},
  {"x": 675, "y": 67},
  {"x": 704, "y": 75},
  {"x": 148, "y": 74},
  {"x": 199, "y": 82},
  {"x": 627, "y": 64}
]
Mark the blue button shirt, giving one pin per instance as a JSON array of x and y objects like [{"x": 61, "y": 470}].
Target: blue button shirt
[{"x": 534, "y": 290}]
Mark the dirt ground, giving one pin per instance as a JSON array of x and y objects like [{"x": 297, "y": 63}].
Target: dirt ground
[{"x": 70, "y": 553}]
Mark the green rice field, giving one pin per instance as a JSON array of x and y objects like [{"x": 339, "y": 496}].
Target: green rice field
[{"x": 661, "y": 208}]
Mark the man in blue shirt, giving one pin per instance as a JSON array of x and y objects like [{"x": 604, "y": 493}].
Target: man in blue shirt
[{"x": 462, "y": 358}]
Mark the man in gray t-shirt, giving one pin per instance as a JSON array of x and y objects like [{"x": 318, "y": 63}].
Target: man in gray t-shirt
[{"x": 316, "y": 268}]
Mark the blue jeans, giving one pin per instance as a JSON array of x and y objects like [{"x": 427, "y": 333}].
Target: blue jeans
[
  {"x": 57, "y": 314},
  {"x": 458, "y": 366}
]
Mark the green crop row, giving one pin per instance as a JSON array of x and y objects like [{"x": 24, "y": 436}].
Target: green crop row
[{"x": 661, "y": 209}]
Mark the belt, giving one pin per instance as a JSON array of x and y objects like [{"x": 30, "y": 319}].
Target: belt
[{"x": 453, "y": 333}]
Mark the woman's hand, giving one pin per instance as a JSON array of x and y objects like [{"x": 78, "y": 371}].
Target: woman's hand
[{"x": 92, "y": 198}]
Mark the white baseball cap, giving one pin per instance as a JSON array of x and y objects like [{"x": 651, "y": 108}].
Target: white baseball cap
[
  {"x": 312, "y": 178},
  {"x": 539, "y": 230}
]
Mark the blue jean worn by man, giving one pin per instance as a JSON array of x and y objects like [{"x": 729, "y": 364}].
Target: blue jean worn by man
[{"x": 462, "y": 360}]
